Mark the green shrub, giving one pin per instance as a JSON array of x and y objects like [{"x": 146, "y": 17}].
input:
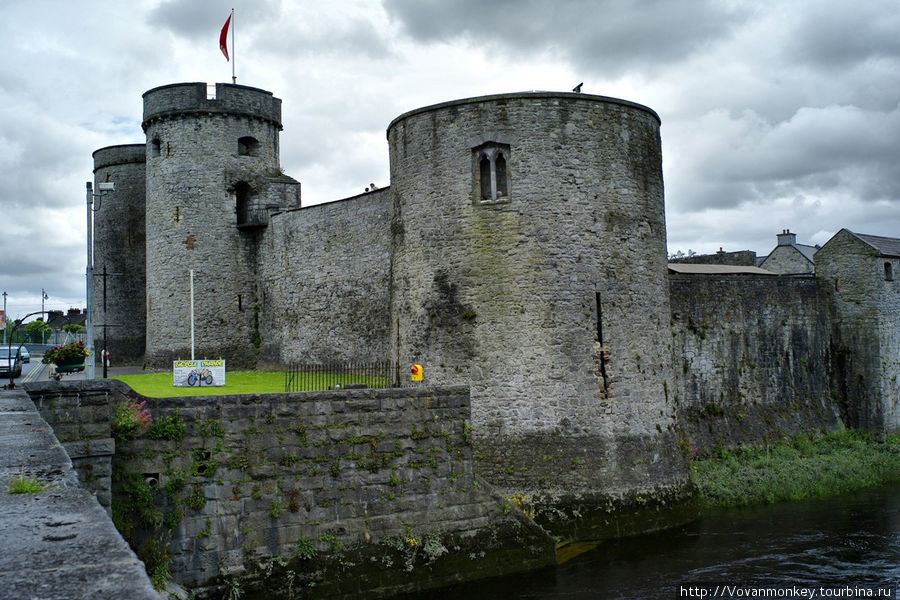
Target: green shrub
[{"x": 167, "y": 428}]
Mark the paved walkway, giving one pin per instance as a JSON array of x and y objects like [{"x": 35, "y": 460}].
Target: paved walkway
[
  {"x": 41, "y": 372},
  {"x": 58, "y": 544}
]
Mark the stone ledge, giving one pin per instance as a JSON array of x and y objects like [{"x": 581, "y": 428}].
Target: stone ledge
[{"x": 60, "y": 543}]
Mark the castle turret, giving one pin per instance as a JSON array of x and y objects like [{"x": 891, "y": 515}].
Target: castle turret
[
  {"x": 529, "y": 260},
  {"x": 213, "y": 177},
  {"x": 119, "y": 252}
]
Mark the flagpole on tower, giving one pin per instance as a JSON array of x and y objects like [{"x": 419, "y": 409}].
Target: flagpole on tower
[
  {"x": 223, "y": 42},
  {"x": 233, "y": 54}
]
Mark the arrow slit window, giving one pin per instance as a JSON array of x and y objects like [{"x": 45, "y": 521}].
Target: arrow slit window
[{"x": 491, "y": 173}]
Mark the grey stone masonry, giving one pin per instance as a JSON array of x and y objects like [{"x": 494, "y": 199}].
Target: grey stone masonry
[
  {"x": 120, "y": 243},
  {"x": 865, "y": 327},
  {"x": 57, "y": 544},
  {"x": 379, "y": 485},
  {"x": 787, "y": 259},
  {"x": 550, "y": 296},
  {"x": 325, "y": 281},
  {"x": 79, "y": 413},
  {"x": 751, "y": 360},
  {"x": 213, "y": 176}
]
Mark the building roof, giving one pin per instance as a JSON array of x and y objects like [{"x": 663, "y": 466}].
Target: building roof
[
  {"x": 807, "y": 251},
  {"x": 717, "y": 269},
  {"x": 886, "y": 246}
]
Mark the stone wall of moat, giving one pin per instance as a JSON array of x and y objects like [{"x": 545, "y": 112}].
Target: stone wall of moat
[{"x": 340, "y": 491}]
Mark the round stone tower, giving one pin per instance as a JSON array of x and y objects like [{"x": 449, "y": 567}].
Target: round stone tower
[
  {"x": 119, "y": 252},
  {"x": 210, "y": 162},
  {"x": 529, "y": 260}
]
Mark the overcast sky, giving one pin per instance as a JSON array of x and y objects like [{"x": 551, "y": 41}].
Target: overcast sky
[{"x": 775, "y": 114}]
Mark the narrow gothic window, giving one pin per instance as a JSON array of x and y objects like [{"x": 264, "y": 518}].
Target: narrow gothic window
[
  {"x": 485, "y": 178},
  {"x": 500, "y": 168},
  {"x": 888, "y": 270},
  {"x": 491, "y": 172}
]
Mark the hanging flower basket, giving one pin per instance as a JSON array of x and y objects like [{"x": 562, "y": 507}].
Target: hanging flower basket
[
  {"x": 70, "y": 365},
  {"x": 68, "y": 358}
]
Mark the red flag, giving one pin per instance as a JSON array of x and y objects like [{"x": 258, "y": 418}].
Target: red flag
[{"x": 223, "y": 38}]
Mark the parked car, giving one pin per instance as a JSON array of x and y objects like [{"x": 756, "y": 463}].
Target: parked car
[
  {"x": 10, "y": 361},
  {"x": 24, "y": 354}
]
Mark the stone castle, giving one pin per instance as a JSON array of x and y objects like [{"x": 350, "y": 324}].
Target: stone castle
[{"x": 520, "y": 250}]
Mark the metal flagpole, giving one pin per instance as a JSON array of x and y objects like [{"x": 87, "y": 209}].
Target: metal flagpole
[{"x": 233, "y": 53}]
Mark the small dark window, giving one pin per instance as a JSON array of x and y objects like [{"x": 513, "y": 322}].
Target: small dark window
[
  {"x": 154, "y": 147},
  {"x": 888, "y": 270},
  {"x": 248, "y": 146}
]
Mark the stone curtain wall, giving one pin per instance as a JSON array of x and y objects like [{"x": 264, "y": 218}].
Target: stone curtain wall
[
  {"x": 507, "y": 293},
  {"x": 344, "y": 492},
  {"x": 752, "y": 360},
  {"x": 325, "y": 282},
  {"x": 120, "y": 248}
]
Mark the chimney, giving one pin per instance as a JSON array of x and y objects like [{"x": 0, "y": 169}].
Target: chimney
[{"x": 786, "y": 238}]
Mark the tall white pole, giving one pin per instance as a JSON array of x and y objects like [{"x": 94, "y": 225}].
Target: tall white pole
[
  {"x": 5, "y": 318},
  {"x": 89, "y": 276},
  {"x": 192, "y": 314}
]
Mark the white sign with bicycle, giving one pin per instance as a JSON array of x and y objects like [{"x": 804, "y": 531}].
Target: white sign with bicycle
[{"x": 199, "y": 373}]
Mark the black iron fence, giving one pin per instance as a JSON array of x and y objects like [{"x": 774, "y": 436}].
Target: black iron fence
[{"x": 304, "y": 377}]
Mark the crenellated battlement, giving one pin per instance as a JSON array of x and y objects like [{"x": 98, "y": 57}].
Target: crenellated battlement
[{"x": 184, "y": 99}]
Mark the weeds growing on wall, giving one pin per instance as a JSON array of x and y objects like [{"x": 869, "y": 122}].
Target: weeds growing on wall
[
  {"x": 26, "y": 485},
  {"x": 797, "y": 468}
]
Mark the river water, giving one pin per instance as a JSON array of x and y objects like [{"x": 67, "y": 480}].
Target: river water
[{"x": 844, "y": 547}]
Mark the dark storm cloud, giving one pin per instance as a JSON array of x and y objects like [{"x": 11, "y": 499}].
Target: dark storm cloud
[{"x": 608, "y": 37}]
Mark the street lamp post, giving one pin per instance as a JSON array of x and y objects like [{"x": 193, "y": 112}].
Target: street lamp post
[
  {"x": 106, "y": 186},
  {"x": 4, "y": 317},
  {"x": 89, "y": 276}
]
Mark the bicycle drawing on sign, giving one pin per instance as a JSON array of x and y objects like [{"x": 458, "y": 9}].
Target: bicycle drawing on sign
[{"x": 200, "y": 377}]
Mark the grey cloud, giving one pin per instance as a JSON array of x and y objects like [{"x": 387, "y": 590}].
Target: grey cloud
[
  {"x": 348, "y": 37},
  {"x": 607, "y": 37},
  {"x": 846, "y": 33},
  {"x": 195, "y": 20},
  {"x": 818, "y": 149}
]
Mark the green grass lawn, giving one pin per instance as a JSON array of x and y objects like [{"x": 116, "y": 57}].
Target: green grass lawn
[{"x": 161, "y": 385}]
